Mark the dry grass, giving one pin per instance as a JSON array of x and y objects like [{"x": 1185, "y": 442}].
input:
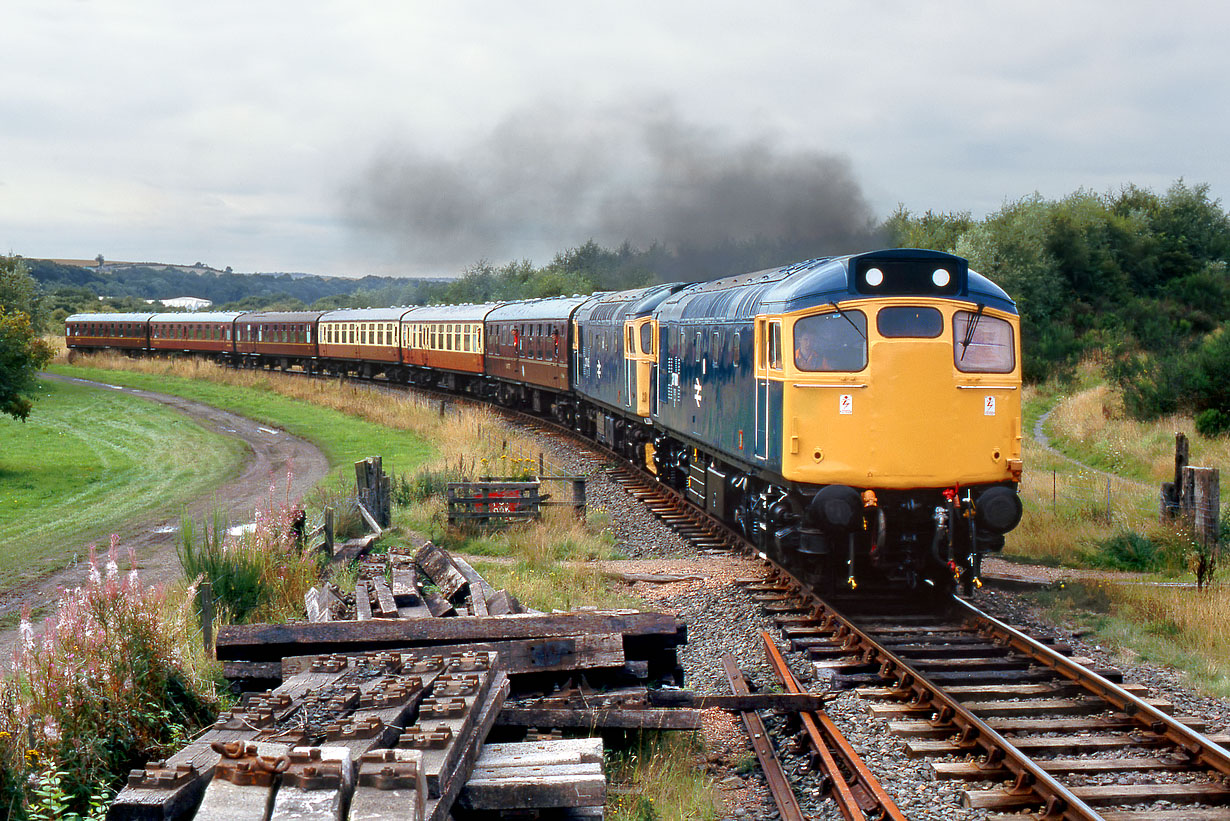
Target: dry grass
[
  {"x": 1178, "y": 627},
  {"x": 1090, "y": 424},
  {"x": 1071, "y": 510}
]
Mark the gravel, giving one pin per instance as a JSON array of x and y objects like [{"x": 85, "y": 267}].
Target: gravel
[{"x": 722, "y": 617}]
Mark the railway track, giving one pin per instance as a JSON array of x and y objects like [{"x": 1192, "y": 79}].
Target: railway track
[{"x": 1030, "y": 729}]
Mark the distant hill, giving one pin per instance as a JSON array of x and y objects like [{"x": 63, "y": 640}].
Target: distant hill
[{"x": 147, "y": 280}]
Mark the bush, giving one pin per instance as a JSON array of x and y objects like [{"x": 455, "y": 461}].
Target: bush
[
  {"x": 111, "y": 680},
  {"x": 1128, "y": 551},
  {"x": 1212, "y": 422}
]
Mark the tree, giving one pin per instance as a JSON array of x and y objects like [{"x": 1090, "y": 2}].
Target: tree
[
  {"x": 20, "y": 292},
  {"x": 22, "y": 354},
  {"x": 22, "y": 351}
]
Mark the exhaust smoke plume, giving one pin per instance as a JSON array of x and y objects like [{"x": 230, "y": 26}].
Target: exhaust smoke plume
[{"x": 544, "y": 180}]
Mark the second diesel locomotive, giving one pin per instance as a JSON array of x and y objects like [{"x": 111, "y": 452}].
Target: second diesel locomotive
[{"x": 856, "y": 417}]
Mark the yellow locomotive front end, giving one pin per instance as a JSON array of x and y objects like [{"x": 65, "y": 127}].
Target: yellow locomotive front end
[
  {"x": 898, "y": 375},
  {"x": 901, "y": 393}
]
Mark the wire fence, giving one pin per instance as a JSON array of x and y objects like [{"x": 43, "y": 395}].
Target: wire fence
[{"x": 1092, "y": 496}]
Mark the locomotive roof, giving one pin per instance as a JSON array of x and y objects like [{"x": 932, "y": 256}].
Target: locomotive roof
[
  {"x": 281, "y": 316},
  {"x": 558, "y": 308},
  {"x": 622, "y": 305},
  {"x": 830, "y": 279},
  {"x": 364, "y": 315},
  {"x": 196, "y": 316},
  {"x": 108, "y": 318},
  {"x": 451, "y": 313}
]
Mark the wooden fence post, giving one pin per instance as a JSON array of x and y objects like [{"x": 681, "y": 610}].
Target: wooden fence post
[
  {"x": 329, "y": 529},
  {"x": 1205, "y": 504},
  {"x": 578, "y": 497}
]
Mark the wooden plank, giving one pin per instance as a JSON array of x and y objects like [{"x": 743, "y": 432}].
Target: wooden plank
[
  {"x": 499, "y": 603},
  {"x": 465, "y": 764},
  {"x": 437, "y": 605},
  {"x": 777, "y": 702},
  {"x": 265, "y": 642},
  {"x": 389, "y": 787},
  {"x": 369, "y": 519},
  {"x": 926, "y": 729},
  {"x": 480, "y": 591},
  {"x": 386, "y": 607},
  {"x": 1035, "y": 745},
  {"x": 405, "y": 586},
  {"x": 615, "y": 718},
  {"x": 321, "y": 603},
  {"x": 362, "y": 601},
  {"x": 294, "y": 802},
  {"x": 1110, "y": 794},
  {"x": 602, "y": 650},
  {"x": 438, "y": 566},
  {"x": 973, "y": 771},
  {"x": 577, "y": 785},
  {"x": 227, "y": 801},
  {"x": 518, "y": 753},
  {"x": 414, "y": 611}
]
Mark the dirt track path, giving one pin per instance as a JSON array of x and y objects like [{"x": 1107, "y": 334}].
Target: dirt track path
[{"x": 271, "y": 454}]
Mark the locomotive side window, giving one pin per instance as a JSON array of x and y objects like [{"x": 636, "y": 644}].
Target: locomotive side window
[
  {"x": 982, "y": 344},
  {"x": 831, "y": 342},
  {"x": 775, "y": 346},
  {"x": 910, "y": 321},
  {"x": 647, "y": 338}
]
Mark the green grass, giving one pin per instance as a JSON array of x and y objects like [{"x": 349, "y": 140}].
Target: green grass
[
  {"x": 1173, "y": 627},
  {"x": 88, "y": 460},
  {"x": 343, "y": 438}
]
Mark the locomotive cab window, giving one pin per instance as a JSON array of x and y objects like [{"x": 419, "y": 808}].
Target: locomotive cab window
[
  {"x": 775, "y": 346},
  {"x": 831, "y": 342},
  {"x": 982, "y": 344},
  {"x": 910, "y": 321}
]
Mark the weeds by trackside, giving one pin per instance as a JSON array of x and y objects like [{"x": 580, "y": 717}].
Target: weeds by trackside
[
  {"x": 260, "y": 574},
  {"x": 116, "y": 674}
]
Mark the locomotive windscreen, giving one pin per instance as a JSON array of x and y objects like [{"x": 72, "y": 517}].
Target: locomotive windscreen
[{"x": 887, "y": 277}]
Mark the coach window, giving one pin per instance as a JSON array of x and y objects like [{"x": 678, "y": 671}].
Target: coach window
[
  {"x": 831, "y": 342},
  {"x": 982, "y": 344}
]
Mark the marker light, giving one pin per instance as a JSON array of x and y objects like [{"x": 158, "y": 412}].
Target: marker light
[
  {"x": 874, "y": 277},
  {"x": 940, "y": 277}
]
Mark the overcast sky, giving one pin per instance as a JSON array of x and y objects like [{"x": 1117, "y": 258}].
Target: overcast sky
[{"x": 410, "y": 138}]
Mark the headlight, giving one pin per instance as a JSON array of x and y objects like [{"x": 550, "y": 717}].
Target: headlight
[
  {"x": 874, "y": 277},
  {"x": 941, "y": 277}
]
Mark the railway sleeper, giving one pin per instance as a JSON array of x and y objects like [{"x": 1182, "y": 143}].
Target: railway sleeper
[{"x": 1107, "y": 795}]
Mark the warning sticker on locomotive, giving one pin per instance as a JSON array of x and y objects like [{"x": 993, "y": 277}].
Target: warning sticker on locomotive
[
  {"x": 845, "y": 403},
  {"x": 988, "y": 405}
]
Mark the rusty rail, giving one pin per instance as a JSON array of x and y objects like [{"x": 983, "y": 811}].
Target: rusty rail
[
  {"x": 779, "y": 786},
  {"x": 858, "y": 793}
]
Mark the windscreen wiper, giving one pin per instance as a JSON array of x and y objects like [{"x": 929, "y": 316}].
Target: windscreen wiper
[
  {"x": 970, "y": 327},
  {"x": 833, "y": 302}
]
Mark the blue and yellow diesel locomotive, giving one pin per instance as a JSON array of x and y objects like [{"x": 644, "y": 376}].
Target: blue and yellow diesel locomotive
[{"x": 856, "y": 417}]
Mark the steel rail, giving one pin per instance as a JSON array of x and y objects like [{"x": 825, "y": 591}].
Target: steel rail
[
  {"x": 1059, "y": 801},
  {"x": 1145, "y": 715},
  {"x": 875, "y": 804},
  {"x": 779, "y": 785}
]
